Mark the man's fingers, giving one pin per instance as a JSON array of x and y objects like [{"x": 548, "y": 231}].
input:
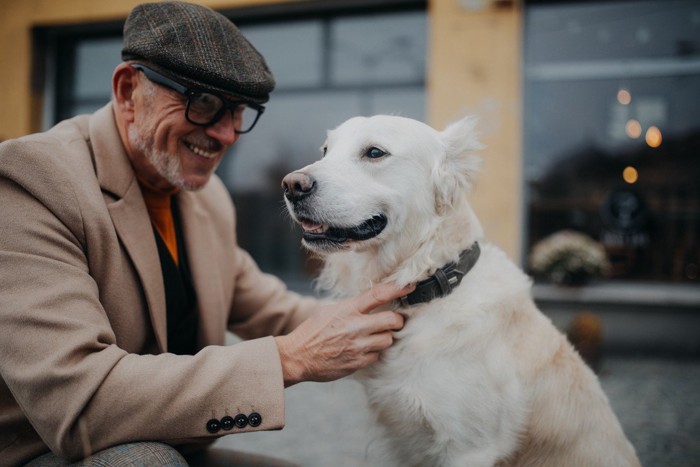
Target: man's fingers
[
  {"x": 386, "y": 321},
  {"x": 380, "y": 341},
  {"x": 381, "y": 294}
]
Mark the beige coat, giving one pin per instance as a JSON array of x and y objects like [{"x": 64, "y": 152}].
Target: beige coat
[{"x": 82, "y": 306}]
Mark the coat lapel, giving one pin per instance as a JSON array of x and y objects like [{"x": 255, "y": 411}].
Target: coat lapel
[
  {"x": 129, "y": 214},
  {"x": 198, "y": 229}
]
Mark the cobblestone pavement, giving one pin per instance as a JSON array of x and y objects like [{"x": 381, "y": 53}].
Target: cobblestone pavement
[
  {"x": 657, "y": 401},
  {"x": 658, "y": 404}
]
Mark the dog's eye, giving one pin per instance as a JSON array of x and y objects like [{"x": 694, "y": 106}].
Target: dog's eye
[
  {"x": 375, "y": 153},
  {"x": 324, "y": 149}
]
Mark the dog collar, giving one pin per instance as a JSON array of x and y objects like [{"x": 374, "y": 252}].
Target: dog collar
[{"x": 444, "y": 280}]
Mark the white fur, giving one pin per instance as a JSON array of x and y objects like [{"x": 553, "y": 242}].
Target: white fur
[{"x": 477, "y": 378}]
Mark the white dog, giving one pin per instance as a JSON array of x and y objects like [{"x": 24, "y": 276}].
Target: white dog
[{"x": 478, "y": 376}]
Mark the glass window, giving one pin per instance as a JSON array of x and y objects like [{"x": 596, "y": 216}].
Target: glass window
[
  {"x": 96, "y": 61},
  {"x": 386, "y": 48},
  {"x": 294, "y": 51},
  {"x": 83, "y": 81},
  {"x": 612, "y": 131}
]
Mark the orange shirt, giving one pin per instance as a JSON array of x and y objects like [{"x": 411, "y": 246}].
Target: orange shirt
[{"x": 158, "y": 205}]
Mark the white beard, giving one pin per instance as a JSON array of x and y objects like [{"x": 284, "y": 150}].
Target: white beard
[{"x": 167, "y": 165}]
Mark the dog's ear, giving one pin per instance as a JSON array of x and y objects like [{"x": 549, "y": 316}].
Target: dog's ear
[{"x": 454, "y": 172}]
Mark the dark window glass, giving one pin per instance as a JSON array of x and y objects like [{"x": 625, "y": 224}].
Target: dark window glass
[{"x": 612, "y": 131}]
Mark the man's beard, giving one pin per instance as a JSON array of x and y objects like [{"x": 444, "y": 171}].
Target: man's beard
[{"x": 168, "y": 166}]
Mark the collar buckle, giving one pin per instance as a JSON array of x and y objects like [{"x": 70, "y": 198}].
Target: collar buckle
[{"x": 444, "y": 280}]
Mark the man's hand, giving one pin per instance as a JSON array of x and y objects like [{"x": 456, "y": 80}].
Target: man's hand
[{"x": 341, "y": 338}]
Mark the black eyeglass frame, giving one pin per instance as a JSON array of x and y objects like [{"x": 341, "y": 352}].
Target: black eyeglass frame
[{"x": 189, "y": 92}]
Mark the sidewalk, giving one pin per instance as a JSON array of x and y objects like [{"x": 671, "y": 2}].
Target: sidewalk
[{"x": 657, "y": 402}]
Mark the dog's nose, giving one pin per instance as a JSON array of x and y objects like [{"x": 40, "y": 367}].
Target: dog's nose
[{"x": 298, "y": 185}]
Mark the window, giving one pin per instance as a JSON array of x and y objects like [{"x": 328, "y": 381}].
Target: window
[
  {"x": 328, "y": 66},
  {"x": 612, "y": 131}
]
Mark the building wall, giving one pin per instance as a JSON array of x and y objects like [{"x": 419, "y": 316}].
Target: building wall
[{"x": 474, "y": 68}]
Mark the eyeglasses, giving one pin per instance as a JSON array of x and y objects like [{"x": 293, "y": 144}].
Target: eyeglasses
[{"x": 205, "y": 108}]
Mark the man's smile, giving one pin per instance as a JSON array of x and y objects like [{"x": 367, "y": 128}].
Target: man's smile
[{"x": 206, "y": 153}]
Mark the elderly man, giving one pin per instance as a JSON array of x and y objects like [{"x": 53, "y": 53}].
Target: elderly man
[{"x": 120, "y": 271}]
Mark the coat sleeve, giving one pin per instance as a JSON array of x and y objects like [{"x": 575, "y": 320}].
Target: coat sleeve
[
  {"x": 262, "y": 302},
  {"x": 61, "y": 361}
]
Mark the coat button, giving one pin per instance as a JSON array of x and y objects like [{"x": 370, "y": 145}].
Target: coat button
[
  {"x": 254, "y": 419},
  {"x": 227, "y": 422},
  {"x": 240, "y": 421},
  {"x": 213, "y": 426}
]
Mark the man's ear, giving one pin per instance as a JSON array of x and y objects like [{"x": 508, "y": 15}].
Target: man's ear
[
  {"x": 455, "y": 171},
  {"x": 123, "y": 84}
]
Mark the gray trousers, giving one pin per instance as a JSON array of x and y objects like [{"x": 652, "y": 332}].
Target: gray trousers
[{"x": 153, "y": 454}]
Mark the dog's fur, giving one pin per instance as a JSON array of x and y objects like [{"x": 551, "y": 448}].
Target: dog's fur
[{"x": 477, "y": 378}]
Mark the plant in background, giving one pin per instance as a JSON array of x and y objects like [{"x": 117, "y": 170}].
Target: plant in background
[{"x": 568, "y": 258}]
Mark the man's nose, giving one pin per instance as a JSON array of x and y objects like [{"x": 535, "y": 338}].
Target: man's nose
[
  {"x": 298, "y": 185},
  {"x": 224, "y": 130}
]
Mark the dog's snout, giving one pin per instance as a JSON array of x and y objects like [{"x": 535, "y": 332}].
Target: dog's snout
[{"x": 297, "y": 185}]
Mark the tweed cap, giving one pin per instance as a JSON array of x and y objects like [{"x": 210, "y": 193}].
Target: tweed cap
[{"x": 197, "y": 47}]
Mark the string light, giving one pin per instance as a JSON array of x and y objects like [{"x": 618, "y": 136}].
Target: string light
[
  {"x": 653, "y": 137},
  {"x": 624, "y": 97},
  {"x": 633, "y": 129},
  {"x": 630, "y": 175}
]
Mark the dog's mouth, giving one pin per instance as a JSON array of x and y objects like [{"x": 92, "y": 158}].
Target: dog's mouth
[{"x": 317, "y": 233}]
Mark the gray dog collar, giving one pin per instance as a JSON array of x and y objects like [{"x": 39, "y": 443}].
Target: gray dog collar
[{"x": 444, "y": 280}]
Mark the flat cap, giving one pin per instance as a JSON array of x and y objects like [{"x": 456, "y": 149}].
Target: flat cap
[{"x": 197, "y": 47}]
